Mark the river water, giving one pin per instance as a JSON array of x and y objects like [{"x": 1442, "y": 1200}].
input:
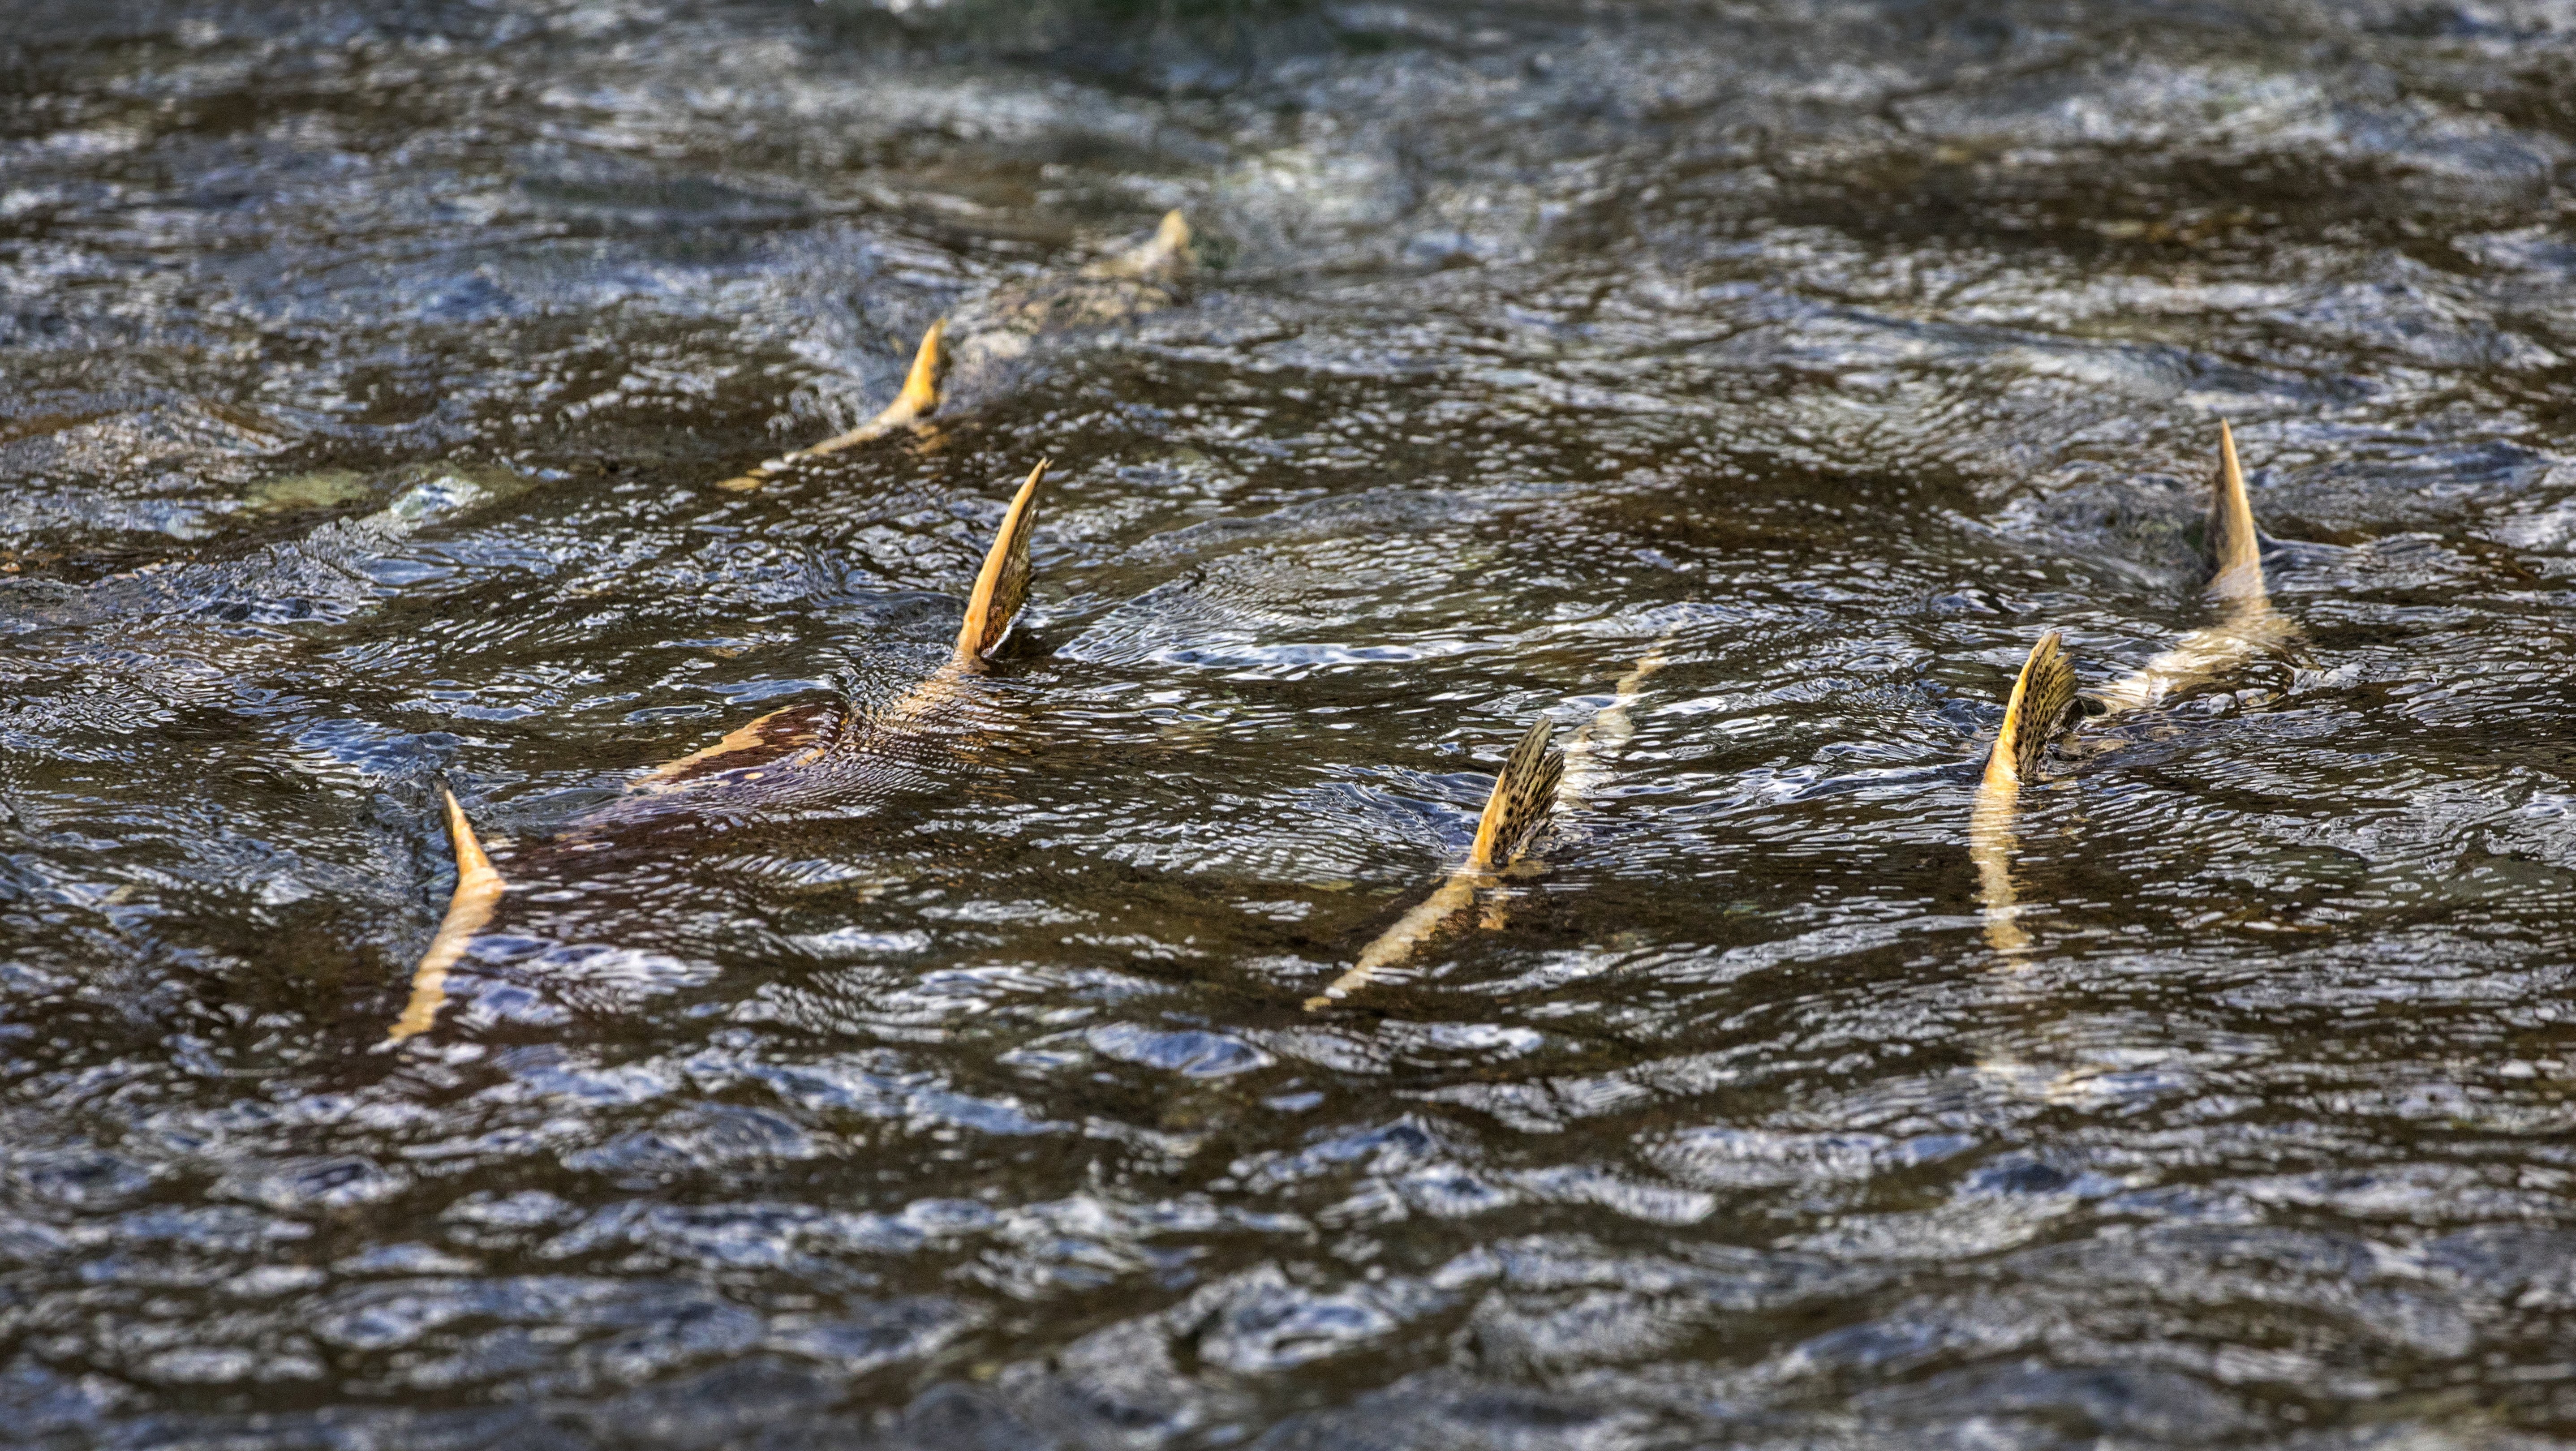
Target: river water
[{"x": 365, "y": 375}]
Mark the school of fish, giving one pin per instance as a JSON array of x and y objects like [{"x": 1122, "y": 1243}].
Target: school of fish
[{"x": 814, "y": 755}]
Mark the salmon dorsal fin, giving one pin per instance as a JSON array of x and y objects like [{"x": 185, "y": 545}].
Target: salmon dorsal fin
[
  {"x": 920, "y": 396},
  {"x": 1171, "y": 244},
  {"x": 1163, "y": 256},
  {"x": 1523, "y": 796},
  {"x": 1003, "y": 584},
  {"x": 469, "y": 908},
  {"x": 2041, "y": 698},
  {"x": 2234, "y": 545},
  {"x": 918, "y": 400}
]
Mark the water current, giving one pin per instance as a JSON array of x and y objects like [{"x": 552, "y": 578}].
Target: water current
[{"x": 367, "y": 372}]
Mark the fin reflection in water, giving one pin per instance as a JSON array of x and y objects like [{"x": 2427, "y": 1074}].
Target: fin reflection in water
[{"x": 469, "y": 910}]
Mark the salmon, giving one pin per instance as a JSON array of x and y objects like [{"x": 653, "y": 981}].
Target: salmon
[
  {"x": 969, "y": 355},
  {"x": 1536, "y": 782},
  {"x": 2045, "y": 702},
  {"x": 806, "y": 754}
]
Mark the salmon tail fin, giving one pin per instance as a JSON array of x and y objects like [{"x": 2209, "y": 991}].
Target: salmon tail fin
[
  {"x": 1003, "y": 585},
  {"x": 1523, "y": 796},
  {"x": 2233, "y": 541},
  {"x": 918, "y": 400},
  {"x": 1164, "y": 256},
  {"x": 478, "y": 891},
  {"x": 2041, "y": 700}
]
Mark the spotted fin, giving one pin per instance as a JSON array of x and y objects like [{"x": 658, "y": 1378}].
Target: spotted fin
[
  {"x": 1003, "y": 585},
  {"x": 469, "y": 909},
  {"x": 2234, "y": 543},
  {"x": 1523, "y": 797},
  {"x": 2041, "y": 700},
  {"x": 918, "y": 400}
]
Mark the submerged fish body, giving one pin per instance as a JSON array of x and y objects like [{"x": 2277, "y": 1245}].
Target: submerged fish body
[
  {"x": 974, "y": 353},
  {"x": 1598, "y": 740},
  {"x": 2244, "y": 633},
  {"x": 2045, "y": 700},
  {"x": 820, "y": 756},
  {"x": 825, "y": 751}
]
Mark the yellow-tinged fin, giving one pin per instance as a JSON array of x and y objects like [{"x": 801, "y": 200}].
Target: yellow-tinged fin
[
  {"x": 469, "y": 908},
  {"x": 1171, "y": 238},
  {"x": 920, "y": 396},
  {"x": 1165, "y": 254},
  {"x": 2041, "y": 699},
  {"x": 918, "y": 400},
  {"x": 1003, "y": 584},
  {"x": 1523, "y": 796},
  {"x": 2233, "y": 542}
]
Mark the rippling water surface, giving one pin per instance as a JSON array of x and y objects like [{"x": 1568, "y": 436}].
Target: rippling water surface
[{"x": 365, "y": 374}]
